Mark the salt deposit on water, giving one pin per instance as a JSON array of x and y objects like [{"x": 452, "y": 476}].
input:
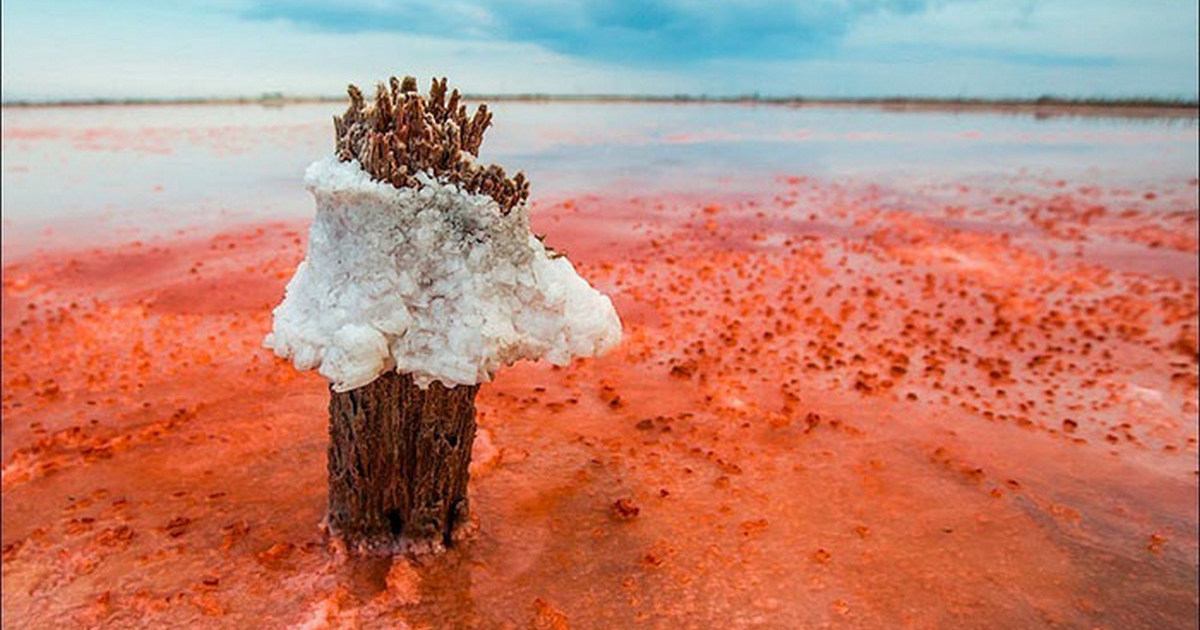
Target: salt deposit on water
[{"x": 435, "y": 282}]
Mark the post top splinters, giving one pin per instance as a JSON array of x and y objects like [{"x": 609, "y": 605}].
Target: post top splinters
[{"x": 402, "y": 133}]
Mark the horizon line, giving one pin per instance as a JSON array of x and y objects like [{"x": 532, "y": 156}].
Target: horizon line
[{"x": 1173, "y": 107}]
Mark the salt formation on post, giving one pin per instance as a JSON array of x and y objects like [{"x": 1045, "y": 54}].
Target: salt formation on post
[
  {"x": 433, "y": 281},
  {"x": 430, "y": 279},
  {"x": 422, "y": 278}
]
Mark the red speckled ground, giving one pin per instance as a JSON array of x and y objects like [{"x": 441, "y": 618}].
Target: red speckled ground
[{"x": 828, "y": 411}]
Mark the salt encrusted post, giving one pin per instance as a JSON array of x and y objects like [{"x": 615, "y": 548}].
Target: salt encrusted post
[{"x": 422, "y": 278}]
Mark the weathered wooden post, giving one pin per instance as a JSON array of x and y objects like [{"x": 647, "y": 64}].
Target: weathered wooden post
[{"x": 421, "y": 279}]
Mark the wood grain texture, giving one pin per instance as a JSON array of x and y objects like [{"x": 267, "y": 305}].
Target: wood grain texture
[{"x": 398, "y": 458}]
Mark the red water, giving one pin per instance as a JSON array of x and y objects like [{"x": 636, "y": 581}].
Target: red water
[{"x": 835, "y": 405}]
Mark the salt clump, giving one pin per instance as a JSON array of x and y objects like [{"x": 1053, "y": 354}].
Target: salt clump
[{"x": 431, "y": 281}]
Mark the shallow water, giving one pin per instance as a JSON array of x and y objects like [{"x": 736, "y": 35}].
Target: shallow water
[
  {"x": 880, "y": 370},
  {"x": 82, "y": 174}
]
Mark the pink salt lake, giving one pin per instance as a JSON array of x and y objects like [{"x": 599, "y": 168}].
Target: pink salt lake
[{"x": 881, "y": 370}]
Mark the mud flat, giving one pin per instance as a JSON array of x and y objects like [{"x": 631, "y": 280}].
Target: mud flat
[{"x": 839, "y": 403}]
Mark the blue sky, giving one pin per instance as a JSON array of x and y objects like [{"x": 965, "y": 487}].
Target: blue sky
[{"x": 969, "y": 48}]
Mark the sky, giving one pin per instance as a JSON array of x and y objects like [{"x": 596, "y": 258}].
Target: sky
[{"x": 70, "y": 49}]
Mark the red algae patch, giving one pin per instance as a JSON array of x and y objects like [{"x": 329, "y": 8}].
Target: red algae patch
[{"x": 828, "y": 411}]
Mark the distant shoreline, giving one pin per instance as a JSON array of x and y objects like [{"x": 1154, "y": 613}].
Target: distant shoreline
[{"x": 1044, "y": 107}]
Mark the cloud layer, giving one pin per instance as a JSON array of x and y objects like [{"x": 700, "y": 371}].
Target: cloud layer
[
  {"x": 974, "y": 48},
  {"x": 650, "y": 32}
]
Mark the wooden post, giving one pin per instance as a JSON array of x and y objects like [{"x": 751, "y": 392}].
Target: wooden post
[
  {"x": 398, "y": 455},
  {"x": 398, "y": 458}
]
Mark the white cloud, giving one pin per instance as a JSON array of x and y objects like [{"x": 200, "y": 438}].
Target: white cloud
[{"x": 960, "y": 48}]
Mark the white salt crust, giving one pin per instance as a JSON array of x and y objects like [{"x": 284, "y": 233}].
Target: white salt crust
[{"x": 435, "y": 282}]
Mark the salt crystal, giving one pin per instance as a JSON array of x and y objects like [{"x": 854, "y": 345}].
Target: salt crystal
[{"x": 434, "y": 282}]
